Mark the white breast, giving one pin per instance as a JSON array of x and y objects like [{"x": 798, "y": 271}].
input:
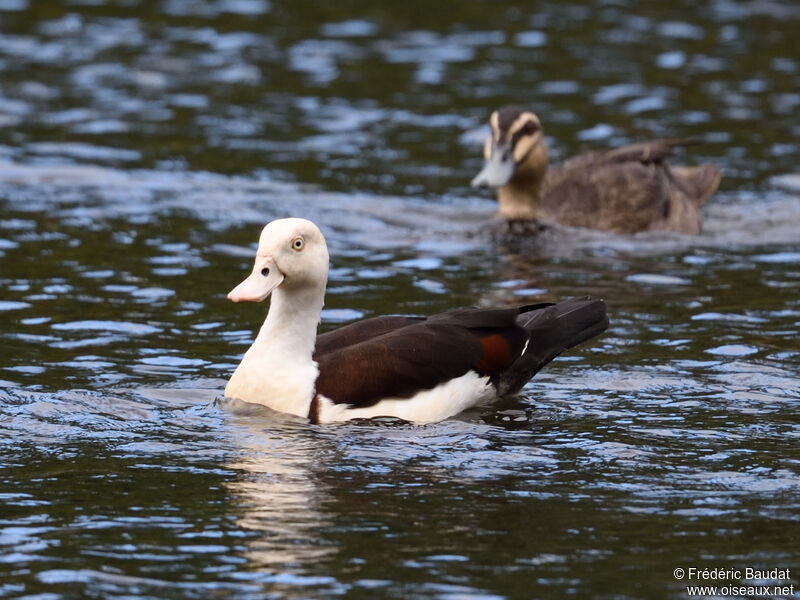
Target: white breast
[{"x": 270, "y": 379}]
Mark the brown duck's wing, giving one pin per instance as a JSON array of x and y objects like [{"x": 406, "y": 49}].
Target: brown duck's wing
[
  {"x": 420, "y": 356},
  {"x": 361, "y": 331},
  {"x": 652, "y": 152},
  {"x": 621, "y": 197},
  {"x": 629, "y": 189}
]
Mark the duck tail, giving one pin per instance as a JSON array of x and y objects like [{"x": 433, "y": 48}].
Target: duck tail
[
  {"x": 552, "y": 329},
  {"x": 700, "y": 182}
]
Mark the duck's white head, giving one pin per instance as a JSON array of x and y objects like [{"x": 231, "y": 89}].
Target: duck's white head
[{"x": 292, "y": 253}]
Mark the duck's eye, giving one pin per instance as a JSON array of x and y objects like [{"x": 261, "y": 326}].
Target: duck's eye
[{"x": 298, "y": 243}]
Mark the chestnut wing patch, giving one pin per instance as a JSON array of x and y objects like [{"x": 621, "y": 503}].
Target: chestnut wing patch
[
  {"x": 420, "y": 356},
  {"x": 495, "y": 354}
]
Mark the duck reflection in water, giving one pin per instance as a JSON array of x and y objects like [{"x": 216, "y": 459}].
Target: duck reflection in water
[{"x": 277, "y": 495}]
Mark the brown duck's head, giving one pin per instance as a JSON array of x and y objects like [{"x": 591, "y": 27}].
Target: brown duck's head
[{"x": 515, "y": 152}]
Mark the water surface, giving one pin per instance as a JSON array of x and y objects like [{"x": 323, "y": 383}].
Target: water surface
[{"x": 142, "y": 147}]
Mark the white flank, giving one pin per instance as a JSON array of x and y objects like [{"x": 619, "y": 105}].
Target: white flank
[{"x": 428, "y": 406}]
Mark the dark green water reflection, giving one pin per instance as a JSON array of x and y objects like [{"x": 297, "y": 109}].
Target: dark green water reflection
[{"x": 144, "y": 144}]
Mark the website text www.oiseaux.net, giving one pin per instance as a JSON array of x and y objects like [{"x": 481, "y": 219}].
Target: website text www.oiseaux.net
[{"x": 749, "y": 582}]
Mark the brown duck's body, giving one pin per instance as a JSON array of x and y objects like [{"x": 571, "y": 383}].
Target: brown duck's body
[{"x": 624, "y": 190}]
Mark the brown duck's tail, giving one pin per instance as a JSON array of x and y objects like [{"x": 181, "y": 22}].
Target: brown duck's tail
[
  {"x": 553, "y": 329},
  {"x": 700, "y": 182}
]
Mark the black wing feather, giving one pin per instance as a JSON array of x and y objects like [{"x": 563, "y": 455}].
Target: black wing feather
[{"x": 417, "y": 356}]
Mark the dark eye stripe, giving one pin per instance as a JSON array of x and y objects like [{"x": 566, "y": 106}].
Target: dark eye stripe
[{"x": 521, "y": 132}]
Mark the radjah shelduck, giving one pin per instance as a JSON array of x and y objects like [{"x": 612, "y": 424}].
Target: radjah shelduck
[
  {"x": 420, "y": 369},
  {"x": 623, "y": 190}
]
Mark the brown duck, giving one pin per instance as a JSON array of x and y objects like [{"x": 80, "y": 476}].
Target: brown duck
[{"x": 624, "y": 190}]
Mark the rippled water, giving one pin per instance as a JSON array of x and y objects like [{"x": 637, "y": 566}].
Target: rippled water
[{"x": 142, "y": 147}]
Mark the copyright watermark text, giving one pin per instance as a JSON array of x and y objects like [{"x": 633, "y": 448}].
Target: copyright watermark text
[{"x": 736, "y": 582}]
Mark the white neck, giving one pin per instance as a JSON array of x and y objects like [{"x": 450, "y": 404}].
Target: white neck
[{"x": 278, "y": 370}]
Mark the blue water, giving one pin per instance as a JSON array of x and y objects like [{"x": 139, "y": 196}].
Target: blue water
[{"x": 144, "y": 145}]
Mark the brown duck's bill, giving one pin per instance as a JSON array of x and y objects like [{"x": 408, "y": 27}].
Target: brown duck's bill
[
  {"x": 261, "y": 283},
  {"x": 497, "y": 171}
]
